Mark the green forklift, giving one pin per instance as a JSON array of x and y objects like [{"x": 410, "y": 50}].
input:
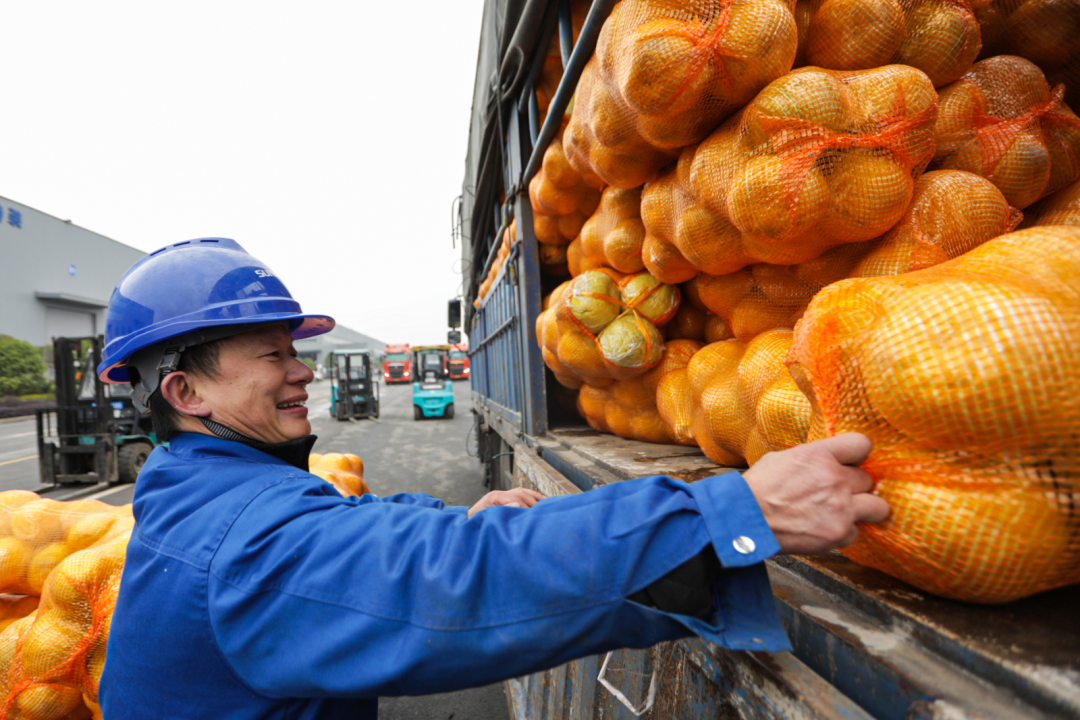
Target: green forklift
[
  {"x": 94, "y": 434},
  {"x": 354, "y": 387},
  {"x": 433, "y": 391}
]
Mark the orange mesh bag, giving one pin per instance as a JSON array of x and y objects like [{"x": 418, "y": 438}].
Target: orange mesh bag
[
  {"x": 737, "y": 400},
  {"x": 37, "y": 533},
  {"x": 628, "y": 408},
  {"x": 561, "y": 198},
  {"x": 666, "y": 73},
  {"x": 1003, "y": 122},
  {"x": 612, "y": 237},
  {"x": 951, "y": 212},
  {"x": 939, "y": 37},
  {"x": 603, "y": 326},
  {"x": 820, "y": 158},
  {"x": 509, "y": 238},
  {"x": 964, "y": 376},
  {"x": 576, "y": 261},
  {"x": 1043, "y": 31},
  {"x": 344, "y": 471},
  {"x": 1061, "y": 208},
  {"x": 54, "y": 657}
]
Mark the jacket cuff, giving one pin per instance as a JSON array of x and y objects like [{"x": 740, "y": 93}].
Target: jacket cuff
[{"x": 733, "y": 519}]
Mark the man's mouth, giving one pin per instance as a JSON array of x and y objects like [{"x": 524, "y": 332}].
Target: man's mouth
[{"x": 292, "y": 404}]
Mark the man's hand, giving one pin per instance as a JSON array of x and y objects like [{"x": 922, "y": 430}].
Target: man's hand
[
  {"x": 518, "y": 497},
  {"x": 812, "y": 495}
]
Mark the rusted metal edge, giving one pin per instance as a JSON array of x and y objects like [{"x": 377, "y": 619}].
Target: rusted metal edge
[{"x": 881, "y": 665}]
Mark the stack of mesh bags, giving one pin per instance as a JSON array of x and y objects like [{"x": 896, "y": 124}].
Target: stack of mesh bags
[
  {"x": 70, "y": 555},
  {"x": 964, "y": 376},
  {"x": 665, "y": 74},
  {"x": 602, "y": 326}
]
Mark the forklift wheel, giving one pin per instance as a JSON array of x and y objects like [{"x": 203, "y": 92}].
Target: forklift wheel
[
  {"x": 417, "y": 413},
  {"x": 375, "y": 409},
  {"x": 449, "y": 412},
  {"x": 130, "y": 460}
]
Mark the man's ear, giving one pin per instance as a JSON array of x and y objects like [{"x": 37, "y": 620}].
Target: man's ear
[{"x": 178, "y": 391}]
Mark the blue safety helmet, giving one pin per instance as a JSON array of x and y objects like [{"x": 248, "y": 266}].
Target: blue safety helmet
[{"x": 186, "y": 294}]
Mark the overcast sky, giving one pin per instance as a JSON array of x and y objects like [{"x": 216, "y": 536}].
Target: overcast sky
[{"x": 328, "y": 138}]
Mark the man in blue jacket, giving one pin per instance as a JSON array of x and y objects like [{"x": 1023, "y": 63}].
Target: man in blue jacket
[{"x": 252, "y": 589}]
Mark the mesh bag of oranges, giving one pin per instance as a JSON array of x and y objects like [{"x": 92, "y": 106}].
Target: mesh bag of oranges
[
  {"x": 939, "y": 37},
  {"x": 509, "y": 238},
  {"x": 1002, "y": 121},
  {"x": 736, "y": 400},
  {"x": 1061, "y": 208},
  {"x": 964, "y": 376},
  {"x": 820, "y": 158},
  {"x": 344, "y": 471},
  {"x": 666, "y": 73},
  {"x": 612, "y": 237},
  {"x": 52, "y": 649},
  {"x": 693, "y": 323},
  {"x": 1043, "y": 31},
  {"x": 951, "y": 212},
  {"x": 627, "y": 408},
  {"x": 603, "y": 326},
  {"x": 561, "y": 199}
]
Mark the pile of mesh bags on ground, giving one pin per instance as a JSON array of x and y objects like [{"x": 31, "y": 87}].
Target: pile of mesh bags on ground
[
  {"x": 756, "y": 155},
  {"x": 60, "y": 570}
]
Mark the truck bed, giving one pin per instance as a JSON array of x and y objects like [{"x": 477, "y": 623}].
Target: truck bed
[{"x": 894, "y": 650}]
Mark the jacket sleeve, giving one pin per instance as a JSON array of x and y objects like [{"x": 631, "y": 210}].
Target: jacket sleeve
[{"x": 315, "y": 596}]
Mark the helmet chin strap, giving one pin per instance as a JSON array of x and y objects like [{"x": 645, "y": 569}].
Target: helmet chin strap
[{"x": 294, "y": 452}]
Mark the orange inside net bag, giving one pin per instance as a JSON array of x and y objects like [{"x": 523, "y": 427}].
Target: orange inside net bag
[
  {"x": 820, "y": 158},
  {"x": 509, "y": 238},
  {"x": 552, "y": 72},
  {"x": 939, "y": 37},
  {"x": 1042, "y": 31},
  {"x": 964, "y": 376},
  {"x": 344, "y": 471},
  {"x": 736, "y": 400},
  {"x": 51, "y": 660},
  {"x": 603, "y": 326},
  {"x": 627, "y": 408},
  {"x": 951, "y": 212},
  {"x": 1003, "y": 121},
  {"x": 562, "y": 200},
  {"x": 612, "y": 237},
  {"x": 1061, "y": 208},
  {"x": 666, "y": 73}
]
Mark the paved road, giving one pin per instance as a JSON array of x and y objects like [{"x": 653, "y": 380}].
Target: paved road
[{"x": 400, "y": 455}]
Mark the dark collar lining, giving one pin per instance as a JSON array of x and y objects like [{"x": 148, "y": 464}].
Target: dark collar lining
[{"x": 294, "y": 452}]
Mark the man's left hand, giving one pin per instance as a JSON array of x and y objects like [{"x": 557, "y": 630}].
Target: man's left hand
[{"x": 518, "y": 497}]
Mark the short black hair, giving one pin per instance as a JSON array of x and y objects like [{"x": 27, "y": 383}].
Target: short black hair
[{"x": 198, "y": 359}]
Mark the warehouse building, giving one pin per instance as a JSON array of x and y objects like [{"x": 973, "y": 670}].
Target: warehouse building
[{"x": 56, "y": 279}]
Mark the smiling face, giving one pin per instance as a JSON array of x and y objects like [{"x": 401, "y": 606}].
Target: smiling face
[{"x": 259, "y": 389}]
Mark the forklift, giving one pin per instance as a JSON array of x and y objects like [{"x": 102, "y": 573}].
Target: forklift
[
  {"x": 94, "y": 434},
  {"x": 433, "y": 392},
  {"x": 354, "y": 388}
]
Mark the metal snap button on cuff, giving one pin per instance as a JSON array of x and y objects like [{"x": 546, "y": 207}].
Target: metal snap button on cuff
[{"x": 744, "y": 545}]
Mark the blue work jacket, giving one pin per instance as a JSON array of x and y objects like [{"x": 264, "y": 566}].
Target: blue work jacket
[{"x": 252, "y": 589}]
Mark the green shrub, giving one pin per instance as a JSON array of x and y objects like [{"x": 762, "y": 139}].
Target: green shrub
[
  {"x": 38, "y": 396},
  {"x": 22, "y": 371}
]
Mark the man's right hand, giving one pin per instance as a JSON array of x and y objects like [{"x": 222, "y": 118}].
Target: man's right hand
[{"x": 812, "y": 495}]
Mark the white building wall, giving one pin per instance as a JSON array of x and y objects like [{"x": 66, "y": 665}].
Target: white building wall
[{"x": 55, "y": 277}]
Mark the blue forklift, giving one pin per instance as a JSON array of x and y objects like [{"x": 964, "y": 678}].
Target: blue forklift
[
  {"x": 433, "y": 391},
  {"x": 354, "y": 389}
]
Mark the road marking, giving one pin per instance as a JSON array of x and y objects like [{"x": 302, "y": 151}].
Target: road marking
[
  {"x": 28, "y": 457},
  {"x": 6, "y": 437}
]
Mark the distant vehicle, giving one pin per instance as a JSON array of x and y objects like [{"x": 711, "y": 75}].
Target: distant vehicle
[
  {"x": 94, "y": 434},
  {"x": 396, "y": 364},
  {"x": 433, "y": 391},
  {"x": 354, "y": 385},
  {"x": 459, "y": 361}
]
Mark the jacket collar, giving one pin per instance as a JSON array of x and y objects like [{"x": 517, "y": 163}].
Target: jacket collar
[{"x": 188, "y": 445}]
